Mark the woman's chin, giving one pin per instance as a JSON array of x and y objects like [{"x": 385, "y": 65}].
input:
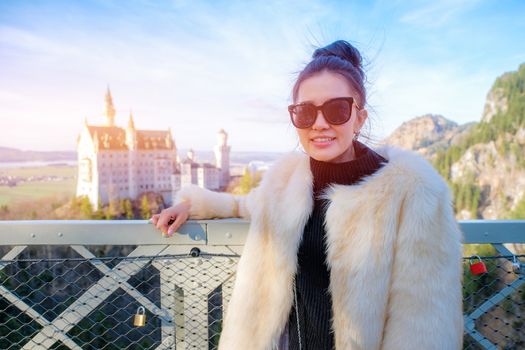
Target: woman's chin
[
  {"x": 322, "y": 156},
  {"x": 330, "y": 155}
]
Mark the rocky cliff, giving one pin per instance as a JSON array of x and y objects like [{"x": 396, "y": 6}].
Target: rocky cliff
[
  {"x": 483, "y": 162},
  {"x": 428, "y": 134}
]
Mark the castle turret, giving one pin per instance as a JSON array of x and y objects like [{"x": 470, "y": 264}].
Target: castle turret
[
  {"x": 110, "y": 110},
  {"x": 131, "y": 142},
  {"x": 131, "y": 133},
  {"x": 95, "y": 142},
  {"x": 191, "y": 155},
  {"x": 222, "y": 157}
]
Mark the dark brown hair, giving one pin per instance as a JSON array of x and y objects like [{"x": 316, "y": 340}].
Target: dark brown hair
[{"x": 338, "y": 57}]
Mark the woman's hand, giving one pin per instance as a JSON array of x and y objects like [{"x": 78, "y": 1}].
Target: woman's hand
[{"x": 171, "y": 219}]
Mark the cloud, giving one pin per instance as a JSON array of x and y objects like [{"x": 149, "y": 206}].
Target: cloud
[
  {"x": 437, "y": 13},
  {"x": 200, "y": 66}
]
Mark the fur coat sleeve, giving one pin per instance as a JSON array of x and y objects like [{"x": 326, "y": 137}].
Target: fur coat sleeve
[{"x": 206, "y": 204}]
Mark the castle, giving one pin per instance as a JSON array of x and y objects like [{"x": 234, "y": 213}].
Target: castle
[{"x": 117, "y": 163}]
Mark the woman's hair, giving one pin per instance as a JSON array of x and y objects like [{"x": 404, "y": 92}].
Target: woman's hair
[{"x": 338, "y": 57}]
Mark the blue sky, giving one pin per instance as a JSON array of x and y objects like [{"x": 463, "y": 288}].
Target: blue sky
[{"x": 198, "y": 66}]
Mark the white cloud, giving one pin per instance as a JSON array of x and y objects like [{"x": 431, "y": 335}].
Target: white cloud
[
  {"x": 437, "y": 13},
  {"x": 197, "y": 67}
]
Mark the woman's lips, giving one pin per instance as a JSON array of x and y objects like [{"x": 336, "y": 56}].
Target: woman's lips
[{"x": 322, "y": 142}]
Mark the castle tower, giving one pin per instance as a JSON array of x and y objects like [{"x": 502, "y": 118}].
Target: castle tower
[
  {"x": 222, "y": 157},
  {"x": 131, "y": 142},
  {"x": 131, "y": 133},
  {"x": 190, "y": 155},
  {"x": 110, "y": 110}
]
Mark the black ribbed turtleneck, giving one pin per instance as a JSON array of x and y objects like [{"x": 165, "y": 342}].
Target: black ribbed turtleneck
[{"x": 314, "y": 301}]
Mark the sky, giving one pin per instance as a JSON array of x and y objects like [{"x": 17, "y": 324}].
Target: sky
[{"x": 199, "y": 66}]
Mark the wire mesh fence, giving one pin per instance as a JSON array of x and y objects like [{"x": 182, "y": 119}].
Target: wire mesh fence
[
  {"x": 79, "y": 303},
  {"x": 73, "y": 302},
  {"x": 494, "y": 303}
]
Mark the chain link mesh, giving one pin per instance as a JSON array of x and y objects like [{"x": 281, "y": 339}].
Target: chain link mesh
[
  {"x": 63, "y": 303},
  {"x": 72, "y": 302},
  {"x": 497, "y": 300}
]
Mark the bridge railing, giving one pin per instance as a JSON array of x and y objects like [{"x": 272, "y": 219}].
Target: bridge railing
[{"x": 82, "y": 284}]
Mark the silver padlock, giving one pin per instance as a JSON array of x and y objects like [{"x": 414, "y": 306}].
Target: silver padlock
[{"x": 515, "y": 264}]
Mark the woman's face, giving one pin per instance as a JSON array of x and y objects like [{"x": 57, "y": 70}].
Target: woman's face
[{"x": 317, "y": 89}]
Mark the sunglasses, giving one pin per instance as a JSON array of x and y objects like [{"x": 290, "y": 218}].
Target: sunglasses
[{"x": 336, "y": 111}]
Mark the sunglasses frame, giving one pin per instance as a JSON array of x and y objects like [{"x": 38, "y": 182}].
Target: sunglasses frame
[{"x": 350, "y": 100}]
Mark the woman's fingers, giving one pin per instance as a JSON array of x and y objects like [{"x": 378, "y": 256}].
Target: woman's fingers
[
  {"x": 154, "y": 219},
  {"x": 169, "y": 220},
  {"x": 163, "y": 222},
  {"x": 179, "y": 221}
]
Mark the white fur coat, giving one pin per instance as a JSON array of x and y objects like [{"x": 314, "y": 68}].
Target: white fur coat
[{"x": 394, "y": 251}]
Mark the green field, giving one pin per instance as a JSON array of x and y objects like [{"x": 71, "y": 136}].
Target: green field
[{"x": 28, "y": 191}]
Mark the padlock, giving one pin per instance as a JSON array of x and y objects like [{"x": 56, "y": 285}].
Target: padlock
[
  {"x": 477, "y": 268},
  {"x": 140, "y": 318},
  {"x": 515, "y": 264}
]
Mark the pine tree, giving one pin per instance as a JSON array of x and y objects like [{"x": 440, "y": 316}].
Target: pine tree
[
  {"x": 127, "y": 208},
  {"x": 475, "y": 203},
  {"x": 86, "y": 209},
  {"x": 145, "y": 211}
]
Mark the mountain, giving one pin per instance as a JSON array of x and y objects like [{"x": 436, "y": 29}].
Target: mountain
[
  {"x": 15, "y": 155},
  {"x": 428, "y": 134},
  {"x": 484, "y": 163}
]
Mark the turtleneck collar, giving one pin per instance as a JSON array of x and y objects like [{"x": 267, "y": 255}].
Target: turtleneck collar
[{"x": 365, "y": 163}]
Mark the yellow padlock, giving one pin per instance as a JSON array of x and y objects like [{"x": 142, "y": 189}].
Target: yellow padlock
[{"x": 140, "y": 318}]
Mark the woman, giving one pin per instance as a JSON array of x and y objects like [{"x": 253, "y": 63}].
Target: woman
[{"x": 348, "y": 248}]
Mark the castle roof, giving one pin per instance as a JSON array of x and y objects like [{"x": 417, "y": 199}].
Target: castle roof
[
  {"x": 191, "y": 162},
  {"x": 108, "y": 137},
  {"x": 154, "y": 139},
  {"x": 114, "y": 138}
]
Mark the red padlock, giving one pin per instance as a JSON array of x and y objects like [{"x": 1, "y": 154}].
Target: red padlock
[{"x": 477, "y": 268}]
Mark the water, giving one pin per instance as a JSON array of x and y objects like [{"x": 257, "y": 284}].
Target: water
[{"x": 34, "y": 164}]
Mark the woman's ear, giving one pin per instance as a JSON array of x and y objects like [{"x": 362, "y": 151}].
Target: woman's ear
[{"x": 362, "y": 114}]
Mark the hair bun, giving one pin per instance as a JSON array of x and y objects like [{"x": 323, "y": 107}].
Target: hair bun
[{"x": 343, "y": 50}]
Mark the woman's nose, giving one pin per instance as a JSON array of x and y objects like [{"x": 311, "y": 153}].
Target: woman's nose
[{"x": 320, "y": 123}]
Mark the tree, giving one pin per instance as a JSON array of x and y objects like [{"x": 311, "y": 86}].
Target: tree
[
  {"x": 248, "y": 181},
  {"x": 145, "y": 211},
  {"x": 475, "y": 203},
  {"x": 99, "y": 213},
  {"x": 127, "y": 208},
  {"x": 519, "y": 211},
  {"x": 113, "y": 211},
  {"x": 86, "y": 209}
]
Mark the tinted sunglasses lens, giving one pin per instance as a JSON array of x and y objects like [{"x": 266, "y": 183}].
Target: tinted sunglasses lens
[
  {"x": 337, "y": 112},
  {"x": 303, "y": 116}
]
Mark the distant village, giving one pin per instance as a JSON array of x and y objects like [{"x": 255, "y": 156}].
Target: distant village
[
  {"x": 11, "y": 181},
  {"x": 124, "y": 162}
]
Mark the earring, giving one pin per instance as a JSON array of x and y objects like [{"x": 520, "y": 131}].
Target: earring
[{"x": 356, "y": 134}]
